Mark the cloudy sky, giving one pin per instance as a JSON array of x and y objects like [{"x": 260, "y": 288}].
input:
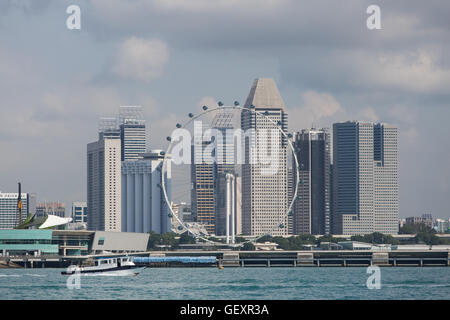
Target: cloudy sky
[{"x": 172, "y": 56}]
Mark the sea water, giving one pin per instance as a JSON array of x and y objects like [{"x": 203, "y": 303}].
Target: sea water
[{"x": 231, "y": 283}]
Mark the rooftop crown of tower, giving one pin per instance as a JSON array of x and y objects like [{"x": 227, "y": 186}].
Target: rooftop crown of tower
[{"x": 264, "y": 94}]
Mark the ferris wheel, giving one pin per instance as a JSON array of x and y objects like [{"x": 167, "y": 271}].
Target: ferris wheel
[{"x": 211, "y": 115}]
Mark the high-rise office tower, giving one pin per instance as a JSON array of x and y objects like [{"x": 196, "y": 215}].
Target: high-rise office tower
[
  {"x": 312, "y": 208},
  {"x": 104, "y": 180},
  {"x": 365, "y": 178},
  {"x": 291, "y": 180},
  {"x": 203, "y": 192},
  {"x": 264, "y": 172},
  {"x": 144, "y": 208},
  {"x": 132, "y": 133},
  {"x": 224, "y": 154},
  {"x": 223, "y": 194}
]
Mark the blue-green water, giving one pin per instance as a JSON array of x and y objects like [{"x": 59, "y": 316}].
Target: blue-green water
[{"x": 231, "y": 283}]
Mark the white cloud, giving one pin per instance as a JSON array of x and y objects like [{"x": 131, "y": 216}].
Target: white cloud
[
  {"x": 141, "y": 59},
  {"x": 315, "y": 107},
  {"x": 207, "y": 101},
  {"x": 208, "y": 5},
  {"x": 368, "y": 114},
  {"x": 418, "y": 71}
]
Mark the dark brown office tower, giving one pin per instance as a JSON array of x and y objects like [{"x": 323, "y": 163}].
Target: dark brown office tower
[{"x": 312, "y": 207}]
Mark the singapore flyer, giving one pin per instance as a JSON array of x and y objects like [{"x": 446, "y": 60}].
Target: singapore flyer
[{"x": 178, "y": 143}]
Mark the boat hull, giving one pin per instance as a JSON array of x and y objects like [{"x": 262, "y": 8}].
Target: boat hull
[{"x": 118, "y": 271}]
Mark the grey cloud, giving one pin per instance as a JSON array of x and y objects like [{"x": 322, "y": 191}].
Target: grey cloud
[{"x": 55, "y": 83}]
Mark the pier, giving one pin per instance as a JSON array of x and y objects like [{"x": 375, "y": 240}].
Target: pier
[
  {"x": 332, "y": 258},
  {"x": 248, "y": 259}
]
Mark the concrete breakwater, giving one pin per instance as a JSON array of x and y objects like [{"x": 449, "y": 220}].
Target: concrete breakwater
[{"x": 322, "y": 258}]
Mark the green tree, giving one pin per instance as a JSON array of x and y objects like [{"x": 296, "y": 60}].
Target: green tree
[
  {"x": 239, "y": 239},
  {"x": 265, "y": 238},
  {"x": 248, "y": 246},
  {"x": 414, "y": 228},
  {"x": 427, "y": 238}
]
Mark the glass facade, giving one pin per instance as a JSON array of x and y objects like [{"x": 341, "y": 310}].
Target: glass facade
[{"x": 20, "y": 242}]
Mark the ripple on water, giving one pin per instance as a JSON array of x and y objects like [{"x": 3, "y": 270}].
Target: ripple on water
[{"x": 231, "y": 283}]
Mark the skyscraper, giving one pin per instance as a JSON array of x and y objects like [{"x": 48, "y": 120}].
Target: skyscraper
[
  {"x": 203, "y": 192},
  {"x": 312, "y": 208},
  {"x": 208, "y": 194},
  {"x": 144, "y": 208},
  {"x": 104, "y": 181},
  {"x": 365, "y": 178},
  {"x": 264, "y": 172},
  {"x": 132, "y": 133},
  {"x": 224, "y": 155},
  {"x": 291, "y": 181}
]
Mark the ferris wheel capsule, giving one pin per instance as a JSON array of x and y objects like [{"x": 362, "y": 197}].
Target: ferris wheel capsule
[
  {"x": 236, "y": 103},
  {"x": 205, "y": 108},
  {"x": 178, "y": 125},
  {"x": 191, "y": 115},
  {"x": 220, "y": 103}
]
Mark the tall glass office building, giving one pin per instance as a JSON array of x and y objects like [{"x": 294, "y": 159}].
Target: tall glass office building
[
  {"x": 365, "y": 178},
  {"x": 132, "y": 133},
  {"x": 312, "y": 208}
]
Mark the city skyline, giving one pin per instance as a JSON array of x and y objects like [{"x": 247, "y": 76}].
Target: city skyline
[{"x": 328, "y": 69}]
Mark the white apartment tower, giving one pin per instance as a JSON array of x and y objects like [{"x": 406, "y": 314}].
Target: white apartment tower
[
  {"x": 264, "y": 172},
  {"x": 104, "y": 182}
]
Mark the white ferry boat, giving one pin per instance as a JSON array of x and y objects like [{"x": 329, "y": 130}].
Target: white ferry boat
[{"x": 114, "y": 266}]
